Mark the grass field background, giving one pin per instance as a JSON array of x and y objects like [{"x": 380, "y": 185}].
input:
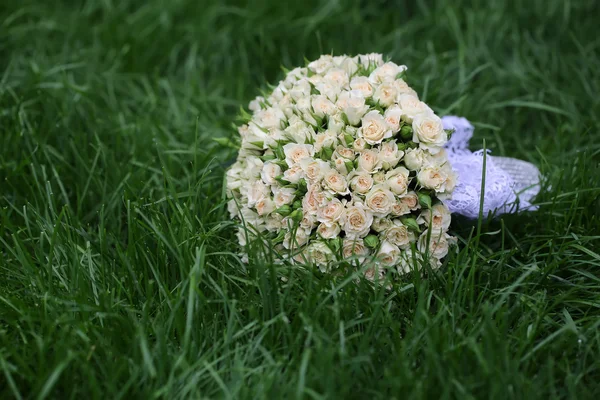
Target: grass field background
[{"x": 118, "y": 269}]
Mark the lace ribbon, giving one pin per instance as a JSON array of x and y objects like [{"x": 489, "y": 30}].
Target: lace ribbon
[{"x": 510, "y": 184}]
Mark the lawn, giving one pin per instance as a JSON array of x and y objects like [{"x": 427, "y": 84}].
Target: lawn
[{"x": 119, "y": 267}]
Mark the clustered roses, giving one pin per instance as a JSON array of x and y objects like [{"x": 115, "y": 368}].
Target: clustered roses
[{"x": 342, "y": 159}]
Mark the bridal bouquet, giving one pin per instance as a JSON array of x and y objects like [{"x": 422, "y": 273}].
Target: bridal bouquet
[{"x": 342, "y": 161}]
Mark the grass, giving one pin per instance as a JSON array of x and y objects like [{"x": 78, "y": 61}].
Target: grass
[{"x": 118, "y": 269}]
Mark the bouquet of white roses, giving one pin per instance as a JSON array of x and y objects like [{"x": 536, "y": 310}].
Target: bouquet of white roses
[{"x": 343, "y": 161}]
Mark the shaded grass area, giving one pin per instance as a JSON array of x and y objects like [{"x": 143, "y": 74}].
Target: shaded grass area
[{"x": 118, "y": 267}]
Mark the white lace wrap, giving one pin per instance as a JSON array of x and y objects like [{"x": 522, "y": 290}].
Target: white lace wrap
[{"x": 510, "y": 184}]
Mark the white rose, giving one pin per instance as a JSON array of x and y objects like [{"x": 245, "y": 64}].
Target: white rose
[
  {"x": 274, "y": 222},
  {"x": 368, "y": 161},
  {"x": 371, "y": 59},
  {"x": 352, "y": 104},
  {"x": 392, "y": 116},
  {"x": 320, "y": 254},
  {"x": 270, "y": 118},
  {"x": 265, "y": 206},
  {"x": 295, "y": 238},
  {"x": 330, "y": 231},
  {"x": 301, "y": 89},
  {"x": 294, "y": 173},
  {"x": 344, "y": 152},
  {"x": 325, "y": 139},
  {"x": 380, "y": 200},
  {"x": 438, "y": 218},
  {"x": 414, "y": 159},
  {"x": 359, "y": 144},
  {"x": 256, "y": 190},
  {"x": 409, "y": 261},
  {"x": 251, "y": 218},
  {"x": 357, "y": 222},
  {"x": 399, "y": 235},
  {"x": 299, "y": 131},
  {"x": 322, "y": 64},
  {"x": 338, "y": 76},
  {"x": 255, "y": 105},
  {"x": 361, "y": 182},
  {"x": 283, "y": 196},
  {"x": 428, "y": 130},
  {"x": 375, "y": 273},
  {"x": 386, "y": 72},
  {"x": 335, "y": 182},
  {"x": 330, "y": 89},
  {"x": 361, "y": 83},
  {"x": 269, "y": 172},
  {"x": 354, "y": 247},
  {"x": 388, "y": 254},
  {"x": 322, "y": 106},
  {"x": 350, "y": 65},
  {"x": 381, "y": 224},
  {"x": 340, "y": 165},
  {"x": 336, "y": 123},
  {"x": 309, "y": 221},
  {"x": 294, "y": 153},
  {"x": 374, "y": 128},
  {"x": 407, "y": 203},
  {"x": 379, "y": 177},
  {"x": 438, "y": 244},
  {"x": 313, "y": 199},
  {"x": 411, "y": 107},
  {"x": 314, "y": 169},
  {"x": 438, "y": 178},
  {"x": 397, "y": 180},
  {"x": 385, "y": 94},
  {"x": 403, "y": 88},
  {"x": 389, "y": 155},
  {"x": 332, "y": 212}
]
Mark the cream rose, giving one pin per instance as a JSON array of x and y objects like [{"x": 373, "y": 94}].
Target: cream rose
[
  {"x": 359, "y": 144},
  {"x": 295, "y": 238},
  {"x": 265, "y": 206},
  {"x": 389, "y": 155},
  {"x": 414, "y": 159},
  {"x": 330, "y": 231},
  {"x": 283, "y": 196},
  {"x": 256, "y": 191},
  {"x": 393, "y": 116},
  {"x": 335, "y": 182},
  {"x": 397, "y": 180},
  {"x": 270, "y": 118},
  {"x": 322, "y": 106},
  {"x": 322, "y": 64},
  {"x": 320, "y": 254},
  {"x": 352, "y": 104},
  {"x": 338, "y": 76},
  {"x": 380, "y": 200},
  {"x": 388, "y": 254},
  {"x": 314, "y": 169},
  {"x": 344, "y": 152},
  {"x": 407, "y": 203},
  {"x": 313, "y": 199},
  {"x": 294, "y": 173},
  {"x": 361, "y": 83},
  {"x": 294, "y": 153},
  {"x": 411, "y": 106},
  {"x": 269, "y": 172},
  {"x": 437, "y": 218},
  {"x": 438, "y": 244},
  {"x": 438, "y": 178},
  {"x": 428, "y": 130},
  {"x": 399, "y": 235},
  {"x": 332, "y": 212},
  {"x": 361, "y": 182},
  {"x": 357, "y": 222},
  {"x": 381, "y": 224},
  {"x": 354, "y": 247},
  {"x": 368, "y": 161},
  {"x": 374, "y": 128},
  {"x": 386, "y": 72},
  {"x": 385, "y": 94}
]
